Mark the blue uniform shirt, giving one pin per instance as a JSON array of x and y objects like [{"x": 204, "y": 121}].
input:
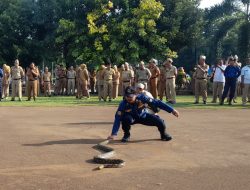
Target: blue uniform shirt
[
  {"x": 232, "y": 71},
  {"x": 137, "y": 110}
]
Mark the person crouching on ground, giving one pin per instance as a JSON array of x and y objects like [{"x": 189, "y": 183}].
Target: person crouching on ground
[{"x": 132, "y": 111}]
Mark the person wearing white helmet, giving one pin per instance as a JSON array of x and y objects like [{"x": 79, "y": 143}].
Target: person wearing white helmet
[{"x": 140, "y": 89}]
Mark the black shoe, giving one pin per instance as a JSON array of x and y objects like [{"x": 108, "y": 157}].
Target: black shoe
[
  {"x": 196, "y": 102},
  {"x": 204, "y": 102},
  {"x": 125, "y": 138},
  {"x": 166, "y": 137}
]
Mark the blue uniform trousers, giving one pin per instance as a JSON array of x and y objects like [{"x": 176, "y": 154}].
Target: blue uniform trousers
[
  {"x": 149, "y": 120},
  {"x": 229, "y": 85}
]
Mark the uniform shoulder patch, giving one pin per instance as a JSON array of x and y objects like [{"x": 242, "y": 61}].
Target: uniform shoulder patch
[{"x": 119, "y": 113}]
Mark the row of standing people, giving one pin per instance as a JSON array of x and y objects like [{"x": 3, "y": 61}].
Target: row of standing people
[
  {"x": 227, "y": 77},
  {"x": 15, "y": 75}
]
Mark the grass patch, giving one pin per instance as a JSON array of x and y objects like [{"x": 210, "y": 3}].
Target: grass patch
[{"x": 65, "y": 101}]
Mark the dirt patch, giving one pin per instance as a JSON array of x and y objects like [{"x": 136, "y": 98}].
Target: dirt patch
[{"x": 51, "y": 148}]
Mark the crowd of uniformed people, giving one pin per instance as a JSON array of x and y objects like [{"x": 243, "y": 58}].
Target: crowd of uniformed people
[{"x": 109, "y": 81}]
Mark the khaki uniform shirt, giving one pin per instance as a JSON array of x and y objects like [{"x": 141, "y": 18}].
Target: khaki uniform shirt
[
  {"x": 71, "y": 74},
  {"x": 155, "y": 72},
  {"x": 108, "y": 74},
  {"x": 116, "y": 78},
  {"x": 127, "y": 75},
  {"x": 143, "y": 75},
  {"x": 47, "y": 77},
  {"x": 32, "y": 76},
  {"x": 171, "y": 72},
  {"x": 199, "y": 74},
  {"x": 17, "y": 72},
  {"x": 84, "y": 76}
]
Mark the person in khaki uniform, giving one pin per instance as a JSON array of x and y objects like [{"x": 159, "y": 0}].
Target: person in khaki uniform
[
  {"x": 120, "y": 90},
  {"x": 32, "y": 75},
  {"x": 78, "y": 85},
  {"x": 108, "y": 75},
  {"x": 171, "y": 73},
  {"x": 56, "y": 72},
  {"x": 17, "y": 74},
  {"x": 46, "y": 82},
  {"x": 6, "y": 81},
  {"x": 62, "y": 80},
  {"x": 245, "y": 82},
  {"x": 92, "y": 77},
  {"x": 71, "y": 76},
  {"x": 155, "y": 71},
  {"x": 116, "y": 81},
  {"x": 162, "y": 82},
  {"x": 201, "y": 80},
  {"x": 127, "y": 77},
  {"x": 99, "y": 77},
  {"x": 84, "y": 80},
  {"x": 143, "y": 75}
]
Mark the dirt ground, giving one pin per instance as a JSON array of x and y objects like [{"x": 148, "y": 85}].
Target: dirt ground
[{"x": 51, "y": 148}]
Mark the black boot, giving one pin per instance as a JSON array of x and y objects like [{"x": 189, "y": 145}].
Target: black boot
[
  {"x": 166, "y": 137},
  {"x": 230, "y": 102},
  {"x": 125, "y": 137},
  {"x": 222, "y": 101}
]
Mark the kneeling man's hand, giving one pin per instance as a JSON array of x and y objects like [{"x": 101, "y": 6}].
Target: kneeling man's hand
[{"x": 175, "y": 113}]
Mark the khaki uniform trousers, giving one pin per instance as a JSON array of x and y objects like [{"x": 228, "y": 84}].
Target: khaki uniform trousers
[
  {"x": 56, "y": 90},
  {"x": 62, "y": 85},
  {"x": 107, "y": 89},
  {"x": 16, "y": 88},
  {"x": 5, "y": 89},
  {"x": 170, "y": 90},
  {"x": 153, "y": 87},
  {"x": 115, "y": 90},
  {"x": 200, "y": 89},
  {"x": 124, "y": 86},
  {"x": 71, "y": 86},
  {"x": 217, "y": 90},
  {"x": 161, "y": 89},
  {"x": 245, "y": 92},
  {"x": 47, "y": 88},
  {"x": 32, "y": 89},
  {"x": 84, "y": 88}
]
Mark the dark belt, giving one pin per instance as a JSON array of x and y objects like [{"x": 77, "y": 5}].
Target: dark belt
[
  {"x": 153, "y": 77},
  {"x": 126, "y": 81},
  {"x": 201, "y": 78},
  {"x": 70, "y": 78},
  {"x": 62, "y": 77},
  {"x": 33, "y": 80},
  {"x": 170, "y": 77},
  {"x": 46, "y": 81},
  {"x": 145, "y": 80},
  {"x": 17, "y": 79}
]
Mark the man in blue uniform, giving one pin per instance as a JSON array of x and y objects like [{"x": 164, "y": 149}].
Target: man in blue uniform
[{"x": 132, "y": 110}]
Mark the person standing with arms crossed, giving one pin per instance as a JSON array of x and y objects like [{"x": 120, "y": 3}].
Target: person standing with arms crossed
[{"x": 32, "y": 74}]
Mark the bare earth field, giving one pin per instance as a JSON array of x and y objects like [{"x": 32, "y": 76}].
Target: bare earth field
[{"x": 51, "y": 148}]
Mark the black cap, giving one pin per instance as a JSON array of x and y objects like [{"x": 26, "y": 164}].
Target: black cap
[{"x": 130, "y": 91}]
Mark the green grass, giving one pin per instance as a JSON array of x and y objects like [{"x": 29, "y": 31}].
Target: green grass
[{"x": 65, "y": 101}]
